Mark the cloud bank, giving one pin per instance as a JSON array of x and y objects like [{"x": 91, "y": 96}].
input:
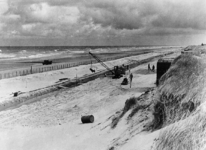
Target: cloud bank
[{"x": 101, "y": 20}]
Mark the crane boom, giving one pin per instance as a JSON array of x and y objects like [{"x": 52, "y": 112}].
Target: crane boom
[{"x": 101, "y": 62}]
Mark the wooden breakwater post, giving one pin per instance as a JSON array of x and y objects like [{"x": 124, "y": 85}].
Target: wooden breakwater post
[{"x": 162, "y": 66}]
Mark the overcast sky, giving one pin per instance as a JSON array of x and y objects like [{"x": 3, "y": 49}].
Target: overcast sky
[{"x": 102, "y": 22}]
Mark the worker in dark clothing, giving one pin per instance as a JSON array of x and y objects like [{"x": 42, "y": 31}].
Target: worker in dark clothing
[
  {"x": 153, "y": 68},
  {"x": 130, "y": 77},
  {"x": 149, "y": 67}
]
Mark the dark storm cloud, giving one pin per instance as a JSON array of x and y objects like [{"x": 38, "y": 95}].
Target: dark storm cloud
[
  {"x": 102, "y": 19},
  {"x": 119, "y": 15},
  {"x": 137, "y": 14},
  {"x": 182, "y": 15},
  {"x": 51, "y": 2},
  {"x": 38, "y": 18}
]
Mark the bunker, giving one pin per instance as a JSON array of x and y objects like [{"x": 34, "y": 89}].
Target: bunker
[{"x": 162, "y": 66}]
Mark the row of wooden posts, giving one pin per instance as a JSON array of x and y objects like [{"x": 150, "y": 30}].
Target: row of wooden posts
[{"x": 40, "y": 69}]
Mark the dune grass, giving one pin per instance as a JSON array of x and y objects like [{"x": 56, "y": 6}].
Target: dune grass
[
  {"x": 181, "y": 87},
  {"x": 131, "y": 102},
  {"x": 182, "y": 94},
  {"x": 187, "y": 134},
  {"x": 134, "y": 104}
]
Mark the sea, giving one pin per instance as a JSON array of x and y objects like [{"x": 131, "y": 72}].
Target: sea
[
  {"x": 22, "y": 52},
  {"x": 16, "y": 57}
]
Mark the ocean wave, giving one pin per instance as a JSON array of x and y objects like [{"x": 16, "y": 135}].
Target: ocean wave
[
  {"x": 23, "y": 51},
  {"x": 77, "y": 52},
  {"x": 6, "y": 55},
  {"x": 101, "y": 50},
  {"x": 34, "y": 53},
  {"x": 36, "y": 56}
]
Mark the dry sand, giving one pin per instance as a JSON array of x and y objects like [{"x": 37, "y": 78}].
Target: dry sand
[{"x": 54, "y": 122}]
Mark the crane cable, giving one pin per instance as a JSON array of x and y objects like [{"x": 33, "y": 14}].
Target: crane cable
[{"x": 91, "y": 68}]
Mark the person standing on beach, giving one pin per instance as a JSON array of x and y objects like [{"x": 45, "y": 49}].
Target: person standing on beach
[
  {"x": 130, "y": 77},
  {"x": 148, "y": 67},
  {"x": 153, "y": 68}
]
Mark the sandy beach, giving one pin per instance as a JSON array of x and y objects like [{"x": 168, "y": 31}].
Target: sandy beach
[
  {"x": 102, "y": 75},
  {"x": 53, "y": 121},
  {"x": 42, "y": 80}
]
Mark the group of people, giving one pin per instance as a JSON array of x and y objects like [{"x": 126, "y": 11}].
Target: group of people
[
  {"x": 151, "y": 69},
  {"x": 131, "y": 75}
]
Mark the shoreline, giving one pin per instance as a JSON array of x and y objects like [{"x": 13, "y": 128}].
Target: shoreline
[{"x": 8, "y": 64}]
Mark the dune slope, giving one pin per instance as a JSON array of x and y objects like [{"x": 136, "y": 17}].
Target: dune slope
[{"x": 182, "y": 94}]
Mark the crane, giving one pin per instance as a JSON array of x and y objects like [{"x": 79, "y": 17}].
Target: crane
[
  {"x": 101, "y": 62},
  {"x": 117, "y": 72}
]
